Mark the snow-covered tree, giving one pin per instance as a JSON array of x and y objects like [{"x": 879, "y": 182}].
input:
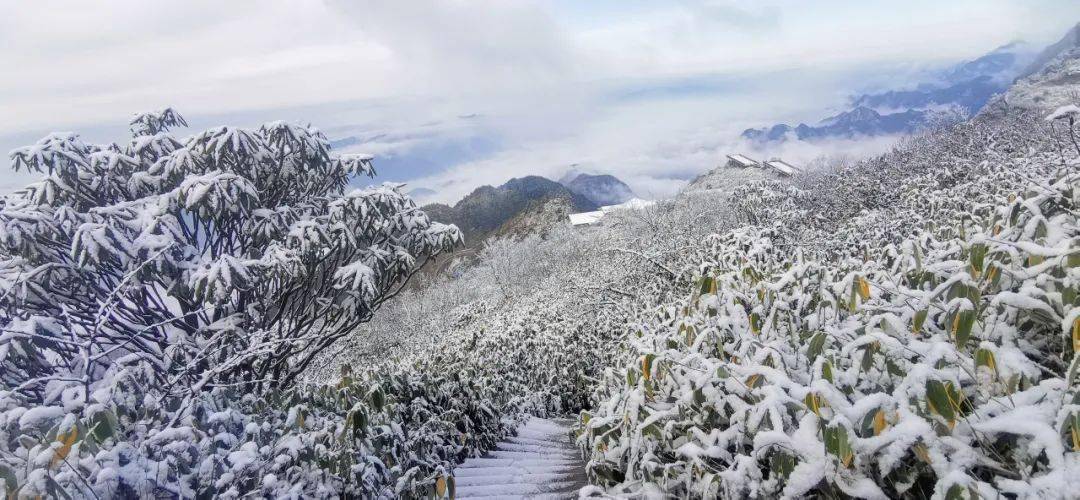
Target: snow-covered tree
[{"x": 233, "y": 256}]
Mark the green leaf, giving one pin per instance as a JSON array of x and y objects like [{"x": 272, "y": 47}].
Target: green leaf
[
  {"x": 104, "y": 426},
  {"x": 868, "y": 356},
  {"x": 1074, "y": 369},
  {"x": 358, "y": 420},
  {"x": 782, "y": 464},
  {"x": 814, "y": 402},
  {"x": 956, "y": 492},
  {"x": 708, "y": 285},
  {"x": 985, "y": 357},
  {"x": 963, "y": 321},
  {"x": 377, "y": 398},
  {"x": 699, "y": 397},
  {"x": 938, "y": 397},
  {"x": 893, "y": 368},
  {"x": 817, "y": 344},
  {"x": 977, "y": 258},
  {"x": 837, "y": 444},
  {"x": 826, "y": 371}
]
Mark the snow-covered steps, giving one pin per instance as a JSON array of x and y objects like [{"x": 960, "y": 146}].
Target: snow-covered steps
[{"x": 540, "y": 462}]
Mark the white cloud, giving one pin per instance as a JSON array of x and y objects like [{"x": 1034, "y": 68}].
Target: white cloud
[
  {"x": 554, "y": 80},
  {"x": 655, "y": 145}
]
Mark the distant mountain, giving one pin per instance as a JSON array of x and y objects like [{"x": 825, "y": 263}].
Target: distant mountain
[
  {"x": 956, "y": 93},
  {"x": 1053, "y": 79},
  {"x": 1002, "y": 65},
  {"x": 421, "y": 192},
  {"x": 859, "y": 121},
  {"x": 484, "y": 211},
  {"x": 1071, "y": 40},
  {"x": 969, "y": 95},
  {"x": 600, "y": 189}
]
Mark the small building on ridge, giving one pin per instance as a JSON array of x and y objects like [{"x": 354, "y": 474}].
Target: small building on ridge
[{"x": 739, "y": 161}]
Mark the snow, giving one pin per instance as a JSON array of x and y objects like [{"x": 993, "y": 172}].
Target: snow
[
  {"x": 1070, "y": 111},
  {"x": 589, "y": 218},
  {"x": 586, "y": 218},
  {"x": 891, "y": 386},
  {"x": 153, "y": 279},
  {"x": 783, "y": 167},
  {"x": 742, "y": 160},
  {"x": 39, "y": 416},
  {"x": 631, "y": 204},
  {"x": 540, "y": 462}
]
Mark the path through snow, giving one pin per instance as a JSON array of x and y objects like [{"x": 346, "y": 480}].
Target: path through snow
[{"x": 540, "y": 462}]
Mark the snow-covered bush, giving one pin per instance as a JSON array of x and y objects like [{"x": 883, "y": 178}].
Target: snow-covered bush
[
  {"x": 904, "y": 327},
  {"x": 373, "y": 434},
  {"x": 146, "y": 283}
]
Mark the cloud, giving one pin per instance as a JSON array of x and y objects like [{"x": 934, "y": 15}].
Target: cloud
[
  {"x": 466, "y": 47},
  {"x": 646, "y": 90},
  {"x": 73, "y": 63},
  {"x": 732, "y": 15},
  {"x": 655, "y": 144}
]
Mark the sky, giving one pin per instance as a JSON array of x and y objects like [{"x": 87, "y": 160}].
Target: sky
[{"x": 453, "y": 94}]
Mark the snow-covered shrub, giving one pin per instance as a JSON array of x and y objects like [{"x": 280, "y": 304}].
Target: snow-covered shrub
[
  {"x": 373, "y": 433},
  {"x": 922, "y": 347},
  {"x": 144, "y": 282}
]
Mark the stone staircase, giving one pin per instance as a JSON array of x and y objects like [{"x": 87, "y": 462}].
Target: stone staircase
[{"x": 540, "y": 462}]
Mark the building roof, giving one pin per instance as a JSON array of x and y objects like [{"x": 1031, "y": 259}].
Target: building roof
[
  {"x": 742, "y": 160},
  {"x": 783, "y": 167}
]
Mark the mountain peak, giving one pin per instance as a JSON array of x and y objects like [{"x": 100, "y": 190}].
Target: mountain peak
[
  {"x": 601, "y": 189},
  {"x": 484, "y": 211},
  {"x": 1053, "y": 78},
  {"x": 1070, "y": 40},
  {"x": 859, "y": 113},
  {"x": 960, "y": 91}
]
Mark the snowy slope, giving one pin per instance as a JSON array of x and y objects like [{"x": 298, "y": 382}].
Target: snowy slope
[
  {"x": 723, "y": 179},
  {"x": 1055, "y": 84}
]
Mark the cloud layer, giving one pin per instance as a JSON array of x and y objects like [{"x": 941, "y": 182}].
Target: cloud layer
[{"x": 650, "y": 91}]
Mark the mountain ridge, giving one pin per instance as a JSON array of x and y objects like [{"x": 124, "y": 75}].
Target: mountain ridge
[
  {"x": 484, "y": 211},
  {"x": 955, "y": 94}
]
